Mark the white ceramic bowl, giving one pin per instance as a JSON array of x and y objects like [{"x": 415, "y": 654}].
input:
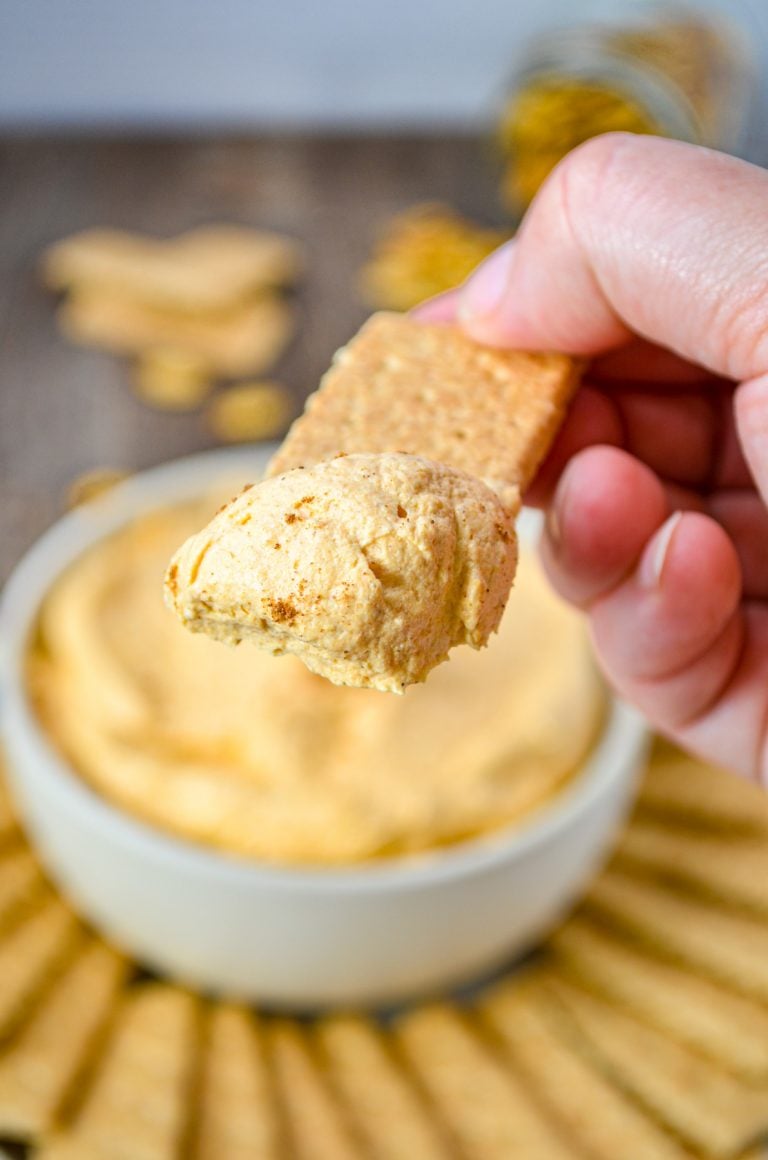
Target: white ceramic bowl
[{"x": 369, "y": 935}]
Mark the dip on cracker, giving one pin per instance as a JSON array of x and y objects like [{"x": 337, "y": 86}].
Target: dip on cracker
[
  {"x": 385, "y": 534},
  {"x": 369, "y": 568}
]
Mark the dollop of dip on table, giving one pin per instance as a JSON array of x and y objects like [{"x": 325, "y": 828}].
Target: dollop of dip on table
[{"x": 254, "y": 755}]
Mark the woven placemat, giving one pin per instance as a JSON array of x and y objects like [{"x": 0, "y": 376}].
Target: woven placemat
[{"x": 640, "y": 1030}]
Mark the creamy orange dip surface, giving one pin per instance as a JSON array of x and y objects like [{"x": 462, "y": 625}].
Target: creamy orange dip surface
[{"x": 253, "y": 754}]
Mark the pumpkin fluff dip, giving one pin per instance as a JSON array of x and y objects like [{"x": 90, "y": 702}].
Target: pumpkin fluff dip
[
  {"x": 384, "y": 535},
  {"x": 263, "y": 760},
  {"x": 369, "y": 568}
]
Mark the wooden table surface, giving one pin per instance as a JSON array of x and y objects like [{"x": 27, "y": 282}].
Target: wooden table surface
[{"x": 64, "y": 410}]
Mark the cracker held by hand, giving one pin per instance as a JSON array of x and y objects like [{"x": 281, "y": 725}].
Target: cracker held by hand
[
  {"x": 384, "y": 535},
  {"x": 402, "y": 385}
]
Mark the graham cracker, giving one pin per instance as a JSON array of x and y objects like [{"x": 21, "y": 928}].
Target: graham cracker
[
  {"x": 715, "y": 866},
  {"x": 8, "y": 821},
  {"x": 403, "y": 385},
  {"x": 317, "y": 1128},
  {"x": 45, "y": 1060},
  {"x": 171, "y": 380},
  {"x": 31, "y": 955},
  {"x": 237, "y": 1118},
  {"x": 709, "y": 1109},
  {"x": 599, "y": 1119},
  {"x": 387, "y": 1111},
  {"x": 719, "y": 1024},
  {"x": 732, "y": 948},
  {"x": 245, "y": 340},
  {"x": 139, "y": 1101},
  {"x": 482, "y": 1103},
  {"x": 206, "y": 269},
  {"x": 680, "y": 789},
  {"x": 21, "y": 881},
  {"x": 249, "y": 411},
  {"x": 427, "y": 249}
]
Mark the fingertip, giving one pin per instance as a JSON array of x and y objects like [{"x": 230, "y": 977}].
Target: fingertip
[
  {"x": 606, "y": 507},
  {"x": 668, "y": 635},
  {"x": 482, "y": 300},
  {"x": 692, "y": 562},
  {"x": 440, "y": 309}
]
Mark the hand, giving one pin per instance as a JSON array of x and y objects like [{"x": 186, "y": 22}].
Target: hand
[{"x": 651, "y": 258}]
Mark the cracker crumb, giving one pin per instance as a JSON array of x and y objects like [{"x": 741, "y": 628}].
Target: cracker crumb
[
  {"x": 171, "y": 380},
  {"x": 250, "y": 411}
]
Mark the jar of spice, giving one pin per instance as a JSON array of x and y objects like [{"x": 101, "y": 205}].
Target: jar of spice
[{"x": 645, "y": 68}]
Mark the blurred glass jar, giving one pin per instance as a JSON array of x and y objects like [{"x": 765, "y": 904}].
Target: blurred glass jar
[{"x": 641, "y": 67}]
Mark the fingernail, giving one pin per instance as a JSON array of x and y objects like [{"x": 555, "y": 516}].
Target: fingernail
[
  {"x": 552, "y": 526},
  {"x": 555, "y": 517},
  {"x": 651, "y": 568},
  {"x": 482, "y": 294}
]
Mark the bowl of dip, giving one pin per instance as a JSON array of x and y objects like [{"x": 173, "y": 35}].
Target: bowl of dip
[{"x": 241, "y": 824}]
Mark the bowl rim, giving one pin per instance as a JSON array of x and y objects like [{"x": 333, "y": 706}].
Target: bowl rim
[{"x": 160, "y": 486}]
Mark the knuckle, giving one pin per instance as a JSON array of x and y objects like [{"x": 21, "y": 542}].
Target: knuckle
[
  {"x": 743, "y": 327},
  {"x": 592, "y": 173}
]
